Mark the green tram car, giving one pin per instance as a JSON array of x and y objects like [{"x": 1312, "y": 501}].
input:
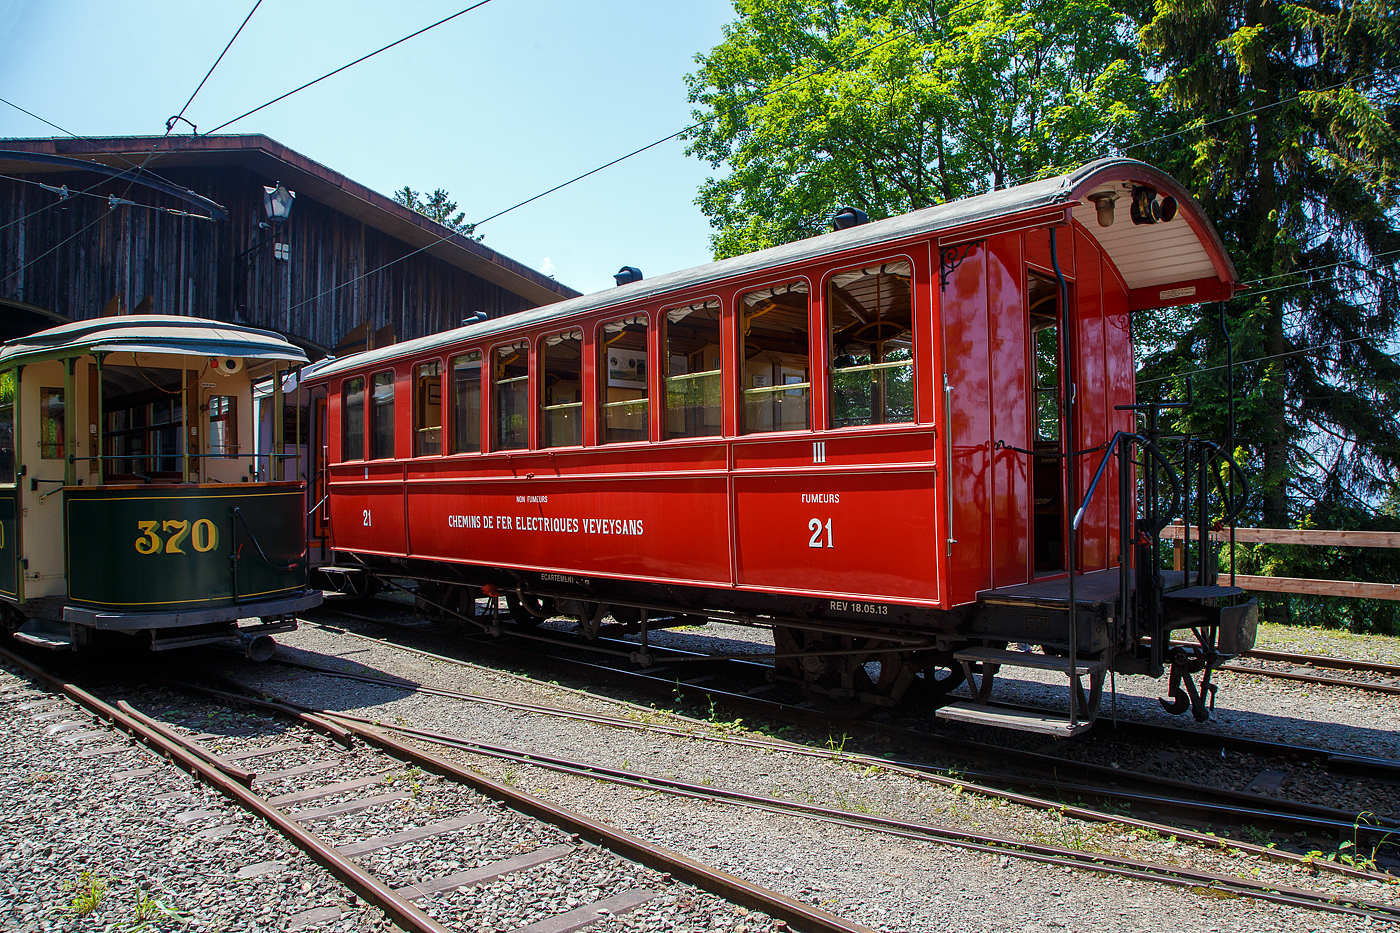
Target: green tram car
[{"x": 130, "y": 498}]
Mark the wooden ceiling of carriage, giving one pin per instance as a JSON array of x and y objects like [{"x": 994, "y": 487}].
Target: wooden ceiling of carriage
[{"x": 361, "y": 270}]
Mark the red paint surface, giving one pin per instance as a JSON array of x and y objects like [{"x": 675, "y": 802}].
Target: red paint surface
[
  {"x": 968, "y": 367},
  {"x": 1012, "y": 375},
  {"x": 752, "y": 512}
]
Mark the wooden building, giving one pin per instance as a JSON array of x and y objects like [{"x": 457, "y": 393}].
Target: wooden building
[{"x": 125, "y": 225}]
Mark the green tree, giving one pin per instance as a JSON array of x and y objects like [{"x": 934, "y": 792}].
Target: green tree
[
  {"x": 893, "y": 105},
  {"x": 1286, "y": 115},
  {"x": 437, "y": 206}
]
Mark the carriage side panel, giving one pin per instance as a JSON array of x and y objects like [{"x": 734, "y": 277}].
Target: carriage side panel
[
  {"x": 967, "y": 367},
  {"x": 1010, "y": 389}
]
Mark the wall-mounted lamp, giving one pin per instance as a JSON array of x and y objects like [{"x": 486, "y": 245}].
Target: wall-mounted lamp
[
  {"x": 1103, "y": 202},
  {"x": 278, "y": 203}
]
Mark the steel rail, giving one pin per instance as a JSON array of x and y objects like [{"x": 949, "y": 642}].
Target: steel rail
[
  {"x": 1322, "y": 660},
  {"x": 1337, "y": 761},
  {"x": 1342, "y": 820},
  {"x": 1358, "y": 665},
  {"x": 376, "y": 733},
  {"x": 352, "y": 875},
  {"x": 1352, "y": 764},
  {"x": 1055, "y": 855}
]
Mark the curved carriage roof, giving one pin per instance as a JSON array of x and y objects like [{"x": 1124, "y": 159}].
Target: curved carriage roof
[
  {"x": 149, "y": 333},
  {"x": 1186, "y": 250}
]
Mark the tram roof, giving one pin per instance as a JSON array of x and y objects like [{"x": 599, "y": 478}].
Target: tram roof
[
  {"x": 1150, "y": 257},
  {"x": 149, "y": 333}
]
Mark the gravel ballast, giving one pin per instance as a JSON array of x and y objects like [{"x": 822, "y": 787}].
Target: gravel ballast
[{"x": 887, "y": 883}]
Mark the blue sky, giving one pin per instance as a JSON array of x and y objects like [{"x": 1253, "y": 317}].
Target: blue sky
[{"x": 495, "y": 106}]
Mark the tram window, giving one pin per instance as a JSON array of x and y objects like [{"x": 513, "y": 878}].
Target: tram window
[
  {"x": 622, "y": 366},
  {"x": 773, "y": 345},
  {"x": 352, "y": 416},
  {"x": 561, "y": 390},
  {"x": 7, "y": 427},
  {"x": 870, "y": 314},
  {"x": 51, "y": 432},
  {"x": 165, "y": 434},
  {"x": 427, "y": 409},
  {"x": 692, "y": 374},
  {"x": 223, "y": 426},
  {"x": 466, "y": 403},
  {"x": 510, "y": 377},
  {"x": 143, "y": 412},
  {"x": 381, "y": 416}
]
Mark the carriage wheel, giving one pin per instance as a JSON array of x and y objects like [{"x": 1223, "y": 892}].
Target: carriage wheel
[
  {"x": 522, "y": 616},
  {"x": 854, "y": 685}
]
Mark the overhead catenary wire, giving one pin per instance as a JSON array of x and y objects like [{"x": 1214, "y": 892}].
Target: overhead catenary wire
[
  {"x": 609, "y": 164},
  {"x": 156, "y": 152},
  {"x": 170, "y": 124},
  {"x": 64, "y": 194},
  {"x": 362, "y": 58}
]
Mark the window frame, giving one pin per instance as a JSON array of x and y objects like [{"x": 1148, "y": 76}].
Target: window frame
[
  {"x": 370, "y": 420},
  {"x": 917, "y": 340},
  {"x": 663, "y": 364},
  {"x": 538, "y": 385},
  {"x": 493, "y": 406},
  {"x": 345, "y": 408},
  {"x": 418, "y": 408},
  {"x": 483, "y": 429},
  {"x": 600, "y": 349},
  {"x": 815, "y": 315}
]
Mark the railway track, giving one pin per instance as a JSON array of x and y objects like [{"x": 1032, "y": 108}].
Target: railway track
[
  {"x": 435, "y": 846},
  {"x": 1219, "y": 883},
  {"x": 1356, "y": 674},
  {"x": 665, "y": 678},
  {"x": 1044, "y": 781}
]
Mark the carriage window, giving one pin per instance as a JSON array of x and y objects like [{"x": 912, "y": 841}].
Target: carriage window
[
  {"x": 223, "y": 425},
  {"x": 870, "y": 313},
  {"x": 692, "y": 375},
  {"x": 381, "y": 416},
  {"x": 7, "y": 427},
  {"x": 1047, "y": 380},
  {"x": 427, "y": 409},
  {"x": 773, "y": 346},
  {"x": 51, "y": 433},
  {"x": 510, "y": 376},
  {"x": 622, "y": 363},
  {"x": 352, "y": 415},
  {"x": 466, "y": 403},
  {"x": 561, "y": 391}
]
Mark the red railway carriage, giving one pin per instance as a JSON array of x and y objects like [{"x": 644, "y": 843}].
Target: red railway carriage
[{"x": 898, "y": 444}]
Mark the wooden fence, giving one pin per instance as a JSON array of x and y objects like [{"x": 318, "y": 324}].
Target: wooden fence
[{"x": 1176, "y": 533}]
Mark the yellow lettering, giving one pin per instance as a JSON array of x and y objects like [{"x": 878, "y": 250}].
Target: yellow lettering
[
  {"x": 182, "y": 531},
  {"x": 149, "y": 542},
  {"x": 205, "y": 537}
]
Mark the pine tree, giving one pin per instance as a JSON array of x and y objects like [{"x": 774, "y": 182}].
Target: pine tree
[{"x": 1287, "y": 137}]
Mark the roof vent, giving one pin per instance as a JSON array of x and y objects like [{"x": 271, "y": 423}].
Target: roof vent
[
  {"x": 627, "y": 275},
  {"x": 476, "y": 318},
  {"x": 848, "y": 217}
]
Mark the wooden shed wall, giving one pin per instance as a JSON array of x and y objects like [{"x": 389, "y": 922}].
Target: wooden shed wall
[{"x": 73, "y": 256}]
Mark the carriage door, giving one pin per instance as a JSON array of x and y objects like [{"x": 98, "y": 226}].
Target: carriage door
[
  {"x": 319, "y": 488},
  {"x": 1046, "y": 424}
]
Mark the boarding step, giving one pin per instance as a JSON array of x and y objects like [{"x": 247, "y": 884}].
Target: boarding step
[
  {"x": 1044, "y": 723},
  {"x": 1199, "y": 593},
  {"x": 1044, "y": 662},
  {"x": 46, "y": 633}
]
